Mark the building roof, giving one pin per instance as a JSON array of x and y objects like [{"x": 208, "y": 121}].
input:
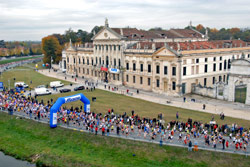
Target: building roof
[
  {"x": 134, "y": 33},
  {"x": 207, "y": 44}
]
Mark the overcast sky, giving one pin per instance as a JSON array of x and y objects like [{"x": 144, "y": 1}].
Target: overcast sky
[{"x": 34, "y": 19}]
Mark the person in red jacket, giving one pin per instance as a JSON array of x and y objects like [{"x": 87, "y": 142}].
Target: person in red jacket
[
  {"x": 103, "y": 131},
  {"x": 96, "y": 130},
  {"x": 227, "y": 143}
]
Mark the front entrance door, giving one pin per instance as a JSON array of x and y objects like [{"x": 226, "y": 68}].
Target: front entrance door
[
  {"x": 240, "y": 93},
  {"x": 183, "y": 88},
  {"x": 165, "y": 86},
  {"x": 106, "y": 77}
]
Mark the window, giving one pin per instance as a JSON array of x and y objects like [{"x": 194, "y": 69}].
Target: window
[
  {"x": 224, "y": 78},
  {"x": 149, "y": 67},
  {"x": 134, "y": 67},
  {"x": 118, "y": 77},
  {"x": 220, "y": 58},
  {"x": 197, "y": 60},
  {"x": 141, "y": 80},
  {"x": 96, "y": 61},
  {"x": 106, "y": 47},
  {"x": 149, "y": 81},
  {"x": 192, "y": 61},
  {"x": 79, "y": 70},
  {"x": 248, "y": 55},
  {"x": 133, "y": 79},
  {"x": 173, "y": 85},
  {"x": 113, "y": 76},
  {"x": 83, "y": 71},
  {"x": 214, "y": 67},
  {"x": 213, "y": 80},
  {"x": 83, "y": 61},
  {"x": 174, "y": 71},
  {"x": 157, "y": 83},
  {"x": 74, "y": 60},
  {"x": 79, "y": 61},
  {"x": 67, "y": 59},
  {"x": 127, "y": 78},
  {"x": 100, "y": 60},
  {"x": 205, "y": 68},
  {"x": 119, "y": 47},
  {"x": 220, "y": 66},
  {"x": 114, "y": 47},
  {"x": 205, "y": 81},
  {"x": 88, "y": 71},
  {"x": 119, "y": 63},
  {"x": 115, "y": 62},
  {"x": 157, "y": 69},
  {"x": 92, "y": 62},
  {"x": 165, "y": 70},
  {"x": 141, "y": 67},
  {"x": 225, "y": 64},
  {"x": 220, "y": 78},
  {"x": 214, "y": 58},
  {"x": 197, "y": 69},
  {"x": 229, "y": 64},
  {"x": 127, "y": 66},
  {"x": 205, "y": 59},
  {"x": 184, "y": 71},
  {"x": 87, "y": 61}
]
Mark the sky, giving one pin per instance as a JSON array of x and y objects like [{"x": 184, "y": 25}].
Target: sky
[{"x": 34, "y": 19}]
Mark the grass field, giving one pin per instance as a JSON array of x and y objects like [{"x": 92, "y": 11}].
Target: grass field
[
  {"x": 26, "y": 74},
  {"x": 121, "y": 103},
  {"x": 17, "y": 59},
  {"x": 26, "y": 139}
]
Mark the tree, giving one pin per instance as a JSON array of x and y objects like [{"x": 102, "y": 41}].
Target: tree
[
  {"x": 200, "y": 27},
  {"x": 70, "y": 34},
  {"x": 51, "y": 48},
  {"x": 234, "y": 30}
]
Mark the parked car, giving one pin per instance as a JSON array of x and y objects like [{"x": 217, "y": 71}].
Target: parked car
[
  {"x": 21, "y": 84},
  {"x": 79, "y": 88},
  {"x": 64, "y": 90},
  {"x": 42, "y": 91},
  {"x": 56, "y": 84},
  {"x": 41, "y": 86}
]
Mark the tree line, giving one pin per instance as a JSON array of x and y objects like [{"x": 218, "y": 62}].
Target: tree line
[{"x": 20, "y": 48}]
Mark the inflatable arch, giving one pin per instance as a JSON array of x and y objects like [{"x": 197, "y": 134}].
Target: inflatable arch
[{"x": 62, "y": 100}]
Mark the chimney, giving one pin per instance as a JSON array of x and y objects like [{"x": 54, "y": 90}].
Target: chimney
[
  {"x": 153, "y": 46},
  {"x": 121, "y": 31},
  {"x": 178, "y": 46},
  {"x": 138, "y": 45}
]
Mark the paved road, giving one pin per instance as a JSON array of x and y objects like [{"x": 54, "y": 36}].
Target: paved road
[{"x": 134, "y": 136}]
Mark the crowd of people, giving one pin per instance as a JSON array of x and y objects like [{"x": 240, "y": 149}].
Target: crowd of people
[{"x": 125, "y": 124}]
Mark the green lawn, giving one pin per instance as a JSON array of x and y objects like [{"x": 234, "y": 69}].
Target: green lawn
[
  {"x": 26, "y": 74},
  {"x": 25, "y": 139},
  {"x": 17, "y": 59},
  {"x": 121, "y": 103}
]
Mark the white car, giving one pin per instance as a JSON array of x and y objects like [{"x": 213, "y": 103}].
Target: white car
[
  {"x": 56, "y": 84},
  {"x": 42, "y": 91},
  {"x": 41, "y": 86},
  {"x": 21, "y": 84}
]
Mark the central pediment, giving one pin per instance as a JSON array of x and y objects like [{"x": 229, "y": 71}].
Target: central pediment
[{"x": 106, "y": 34}]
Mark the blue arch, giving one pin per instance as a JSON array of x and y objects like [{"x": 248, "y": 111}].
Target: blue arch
[{"x": 62, "y": 100}]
